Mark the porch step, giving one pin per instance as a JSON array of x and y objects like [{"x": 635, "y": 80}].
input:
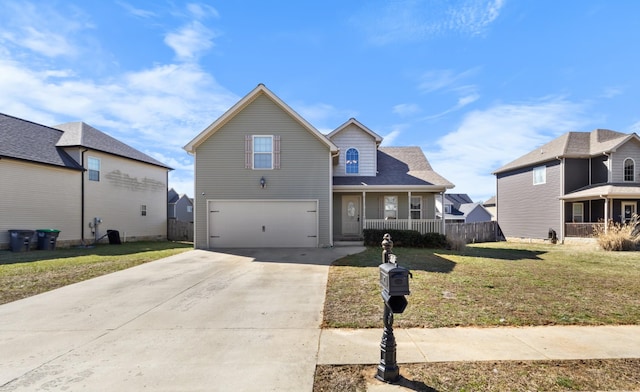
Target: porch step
[{"x": 348, "y": 243}]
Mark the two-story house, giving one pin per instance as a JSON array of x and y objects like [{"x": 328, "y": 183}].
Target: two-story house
[
  {"x": 179, "y": 206},
  {"x": 570, "y": 185},
  {"x": 264, "y": 176},
  {"x": 79, "y": 180}
]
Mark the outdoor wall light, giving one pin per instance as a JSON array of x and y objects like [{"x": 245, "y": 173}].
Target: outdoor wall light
[{"x": 263, "y": 183}]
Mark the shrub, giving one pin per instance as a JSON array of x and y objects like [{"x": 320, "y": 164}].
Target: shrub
[
  {"x": 619, "y": 236},
  {"x": 405, "y": 238},
  {"x": 457, "y": 243},
  {"x": 434, "y": 241}
]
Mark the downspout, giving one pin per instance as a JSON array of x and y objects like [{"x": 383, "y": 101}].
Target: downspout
[
  {"x": 444, "y": 226},
  {"x": 562, "y": 205},
  {"x": 82, "y": 196}
]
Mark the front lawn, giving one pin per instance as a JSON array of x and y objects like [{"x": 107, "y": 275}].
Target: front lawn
[{"x": 493, "y": 284}]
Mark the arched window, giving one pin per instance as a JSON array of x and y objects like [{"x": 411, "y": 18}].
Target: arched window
[
  {"x": 629, "y": 169},
  {"x": 352, "y": 161}
]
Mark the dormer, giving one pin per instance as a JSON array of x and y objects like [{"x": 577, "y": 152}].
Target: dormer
[{"x": 358, "y": 146}]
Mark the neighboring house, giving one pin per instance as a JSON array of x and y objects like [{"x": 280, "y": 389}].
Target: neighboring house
[
  {"x": 491, "y": 206},
  {"x": 570, "y": 185},
  {"x": 179, "y": 207},
  {"x": 76, "y": 179},
  {"x": 459, "y": 208},
  {"x": 264, "y": 176}
]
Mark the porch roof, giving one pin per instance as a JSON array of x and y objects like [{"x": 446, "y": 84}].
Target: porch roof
[
  {"x": 604, "y": 190},
  {"x": 398, "y": 167}
]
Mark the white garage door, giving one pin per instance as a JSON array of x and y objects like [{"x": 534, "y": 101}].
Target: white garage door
[{"x": 263, "y": 223}]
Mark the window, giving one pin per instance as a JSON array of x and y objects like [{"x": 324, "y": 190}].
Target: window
[
  {"x": 447, "y": 208},
  {"x": 352, "y": 161},
  {"x": 94, "y": 169},
  {"x": 263, "y": 152},
  {"x": 629, "y": 169},
  {"x": 578, "y": 212},
  {"x": 416, "y": 207},
  {"x": 189, "y": 209},
  {"x": 390, "y": 207},
  {"x": 539, "y": 175},
  {"x": 143, "y": 210}
]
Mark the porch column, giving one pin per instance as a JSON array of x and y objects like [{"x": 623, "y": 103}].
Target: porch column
[
  {"x": 364, "y": 209},
  {"x": 606, "y": 214},
  {"x": 442, "y": 213},
  {"x": 409, "y": 209}
]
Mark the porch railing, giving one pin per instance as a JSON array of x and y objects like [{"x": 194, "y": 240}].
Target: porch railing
[
  {"x": 422, "y": 225},
  {"x": 582, "y": 230}
]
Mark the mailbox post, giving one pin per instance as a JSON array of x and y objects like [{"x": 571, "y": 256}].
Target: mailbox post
[{"x": 394, "y": 282}]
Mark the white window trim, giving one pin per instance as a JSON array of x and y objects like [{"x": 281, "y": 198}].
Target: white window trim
[
  {"x": 544, "y": 175},
  {"x": 633, "y": 175},
  {"x": 346, "y": 164},
  {"x": 574, "y": 215},
  {"x": 89, "y": 170},
  {"x": 253, "y": 152},
  {"x": 415, "y": 209}
]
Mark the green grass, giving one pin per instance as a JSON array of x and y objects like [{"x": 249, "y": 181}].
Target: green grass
[
  {"x": 23, "y": 274},
  {"x": 494, "y": 284}
]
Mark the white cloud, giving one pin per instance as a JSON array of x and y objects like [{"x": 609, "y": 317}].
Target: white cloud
[
  {"x": 388, "y": 139},
  {"x": 139, "y": 12},
  {"x": 488, "y": 139},
  {"x": 406, "y": 109},
  {"x": 413, "y": 20},
  {"x": 190, "y": 41}
]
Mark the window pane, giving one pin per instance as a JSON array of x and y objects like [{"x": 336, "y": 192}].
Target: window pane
[
  {"x": 390, "y": 206},
  {"x": 628, "y": 169},
  {"x": 94, "y": 169},
  {"x": 262, "y": 144},
  {"x": 539, "y": 175},
  {"x": 262, "y": 161},
  {"x": 352, "y": 160}
]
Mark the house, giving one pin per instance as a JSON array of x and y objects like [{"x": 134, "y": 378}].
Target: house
[
  {"x": 570, "y": 185},
  {"x": 459, "y": 208},
  {"x": 264, "y": 176},
  {"x": 76, "y": 179},
  {"x": 179, "y": 206},
  {"x": 491, "y": 206}
]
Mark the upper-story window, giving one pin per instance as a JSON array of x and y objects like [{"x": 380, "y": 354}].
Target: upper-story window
[
  {"x": 263, "y": 152},
  {"x": 539, "y": 175},
  {"x": 352, "y": 159},
  {"x": 94, "y": 168},
  {"x": 629, "y": 169}
]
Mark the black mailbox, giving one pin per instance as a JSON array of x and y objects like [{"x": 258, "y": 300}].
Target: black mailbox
[{"x": 394, "y": 279}]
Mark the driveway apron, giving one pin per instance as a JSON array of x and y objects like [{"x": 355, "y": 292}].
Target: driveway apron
[{"x": 242, "y": 320}]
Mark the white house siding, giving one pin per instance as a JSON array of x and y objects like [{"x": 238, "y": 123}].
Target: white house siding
[
  {"x": 526, "y": 210},
  {"x": 631, "y": 149},
  {"x": 35, "y": 196},
  {"x": 220, "y": 173},
  {"x": 125, "y": 185},
  {"x": 353, "y": 136}
]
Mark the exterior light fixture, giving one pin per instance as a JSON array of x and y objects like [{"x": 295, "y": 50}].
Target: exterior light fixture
[{"x": 263, "y": 183}]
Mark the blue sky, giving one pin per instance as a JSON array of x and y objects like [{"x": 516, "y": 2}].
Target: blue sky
[{"x": 474, "y": 83}]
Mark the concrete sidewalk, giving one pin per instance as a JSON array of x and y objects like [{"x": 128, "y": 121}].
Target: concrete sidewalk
[{"x": 362, "y": 346}]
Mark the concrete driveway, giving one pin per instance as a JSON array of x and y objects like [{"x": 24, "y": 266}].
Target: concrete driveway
[{"x": 243, "y": 320}]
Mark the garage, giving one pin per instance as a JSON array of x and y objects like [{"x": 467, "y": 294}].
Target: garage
[{"x": 263, "y": 223}]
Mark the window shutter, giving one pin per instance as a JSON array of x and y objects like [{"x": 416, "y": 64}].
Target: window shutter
[
  {"x": 276, "y": 152},
  {"x": 247, "y": 152}
]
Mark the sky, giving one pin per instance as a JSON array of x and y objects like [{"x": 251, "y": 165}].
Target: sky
[{"x": 474, "y": 83}]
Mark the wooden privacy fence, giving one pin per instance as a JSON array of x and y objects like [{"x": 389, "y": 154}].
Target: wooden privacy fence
[
  {"x": 179, "y": 230},
  {"x": 475, "y": 232}
]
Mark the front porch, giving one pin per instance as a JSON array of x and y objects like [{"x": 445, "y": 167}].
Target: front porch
[
  {"x": 582, "y": 230},
  {"x": 422, "y": 225}
]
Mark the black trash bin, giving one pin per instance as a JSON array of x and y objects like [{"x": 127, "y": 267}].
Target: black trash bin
[
  {"x": 114, "y": 237},
  {"x": 47, "y": 238},
  {"x": 20, "y": 240}
]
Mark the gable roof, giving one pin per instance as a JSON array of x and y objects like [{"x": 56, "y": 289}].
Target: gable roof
[
  {"x": 353, "y": 121},
  {"x": 398, "y": 166},
  {"x": 457, "y": 199},
  {"x": 28, "y": 141},
  {"x": 572, "y": 145},
  {"x": 261, "y": 89},
  {"x": 79, "y": 134}
]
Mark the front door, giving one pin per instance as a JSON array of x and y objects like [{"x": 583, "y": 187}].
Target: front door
[
  {"x": 351, "y": 216},
  {"x": 628, "y": 210}
]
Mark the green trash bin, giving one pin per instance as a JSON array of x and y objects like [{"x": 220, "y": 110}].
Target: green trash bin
[
  {"x": 20, "y": 240},
  {"x": 47, "y": 238}
]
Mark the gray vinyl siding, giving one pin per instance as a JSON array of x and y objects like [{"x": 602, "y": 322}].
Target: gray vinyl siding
[
  {"x": 631, "y": 149},
  {"x": 526, "y": 210},
  {"x": 478, "y": 214},
  {"x": 577, "y": 174},
  {"x": 599, "y": 170},
  {"x": 220, "y": 173},
  {"x": 352, "y": 136}
]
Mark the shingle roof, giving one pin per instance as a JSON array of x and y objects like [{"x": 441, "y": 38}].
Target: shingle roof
[
  {"x": 399, "y": 166},
  {"x": 25, "y": 140},
  {"x": 571, "y": 145},
  {"x": 81, "y": 134},
  {"x": 458, "y": 199}
]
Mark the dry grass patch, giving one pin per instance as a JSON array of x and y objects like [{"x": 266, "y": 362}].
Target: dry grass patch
[
  {"x": 575, "y": 375},
  {"x": 29, "y": 273},
  {"x": 494, "y": 284}
]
